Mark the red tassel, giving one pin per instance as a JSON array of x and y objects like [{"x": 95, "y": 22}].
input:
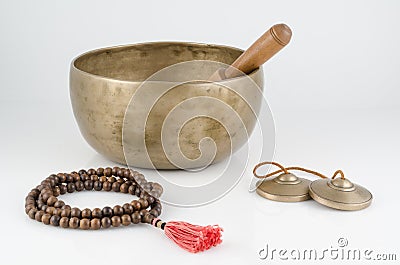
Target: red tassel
[{"x": 193, "y": 238}]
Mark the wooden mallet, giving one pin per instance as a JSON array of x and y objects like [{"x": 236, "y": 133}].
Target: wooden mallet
[{"x": 271, "y": 42}]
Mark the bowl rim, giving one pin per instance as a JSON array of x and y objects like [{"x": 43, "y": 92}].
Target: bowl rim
[{"x": 82, "y": 72}]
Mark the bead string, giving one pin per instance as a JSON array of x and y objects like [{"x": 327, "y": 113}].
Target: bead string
[{"x": 43, "y": 205}]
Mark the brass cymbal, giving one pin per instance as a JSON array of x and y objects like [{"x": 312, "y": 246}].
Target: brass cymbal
[
  {"x": 284, "y": 188},
  {"x": 340, "y": 193}
]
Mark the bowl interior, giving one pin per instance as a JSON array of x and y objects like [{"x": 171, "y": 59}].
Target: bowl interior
[{"x": 137, "y": 62}]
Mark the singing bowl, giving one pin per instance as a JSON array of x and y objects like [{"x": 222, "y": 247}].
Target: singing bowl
[{"x": 103, "y": 81}]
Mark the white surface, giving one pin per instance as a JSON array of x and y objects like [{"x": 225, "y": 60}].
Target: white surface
[{"x": 333, "y": 92}]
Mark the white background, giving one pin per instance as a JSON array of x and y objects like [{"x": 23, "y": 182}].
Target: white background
[{"x": 333, "y": 92}]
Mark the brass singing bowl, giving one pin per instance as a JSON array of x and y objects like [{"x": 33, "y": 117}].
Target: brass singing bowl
[{"x": 103, "y": 81}]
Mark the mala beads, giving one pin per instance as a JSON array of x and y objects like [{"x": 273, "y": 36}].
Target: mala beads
[{"x": 42, "y": 204}]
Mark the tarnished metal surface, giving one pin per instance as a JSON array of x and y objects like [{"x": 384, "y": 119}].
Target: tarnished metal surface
[{"x": 103, "y": 81}]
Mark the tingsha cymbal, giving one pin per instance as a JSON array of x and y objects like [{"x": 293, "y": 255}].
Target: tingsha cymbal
[
  {"x": 284, "y": 188},
  {"x": 340, "y": 193}
]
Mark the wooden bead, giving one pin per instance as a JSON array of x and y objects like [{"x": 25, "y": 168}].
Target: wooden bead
[
  {"x": 46, "y": 196},
  {"x": 57, "y": 211},
  {"x": 55, "y": 220},
  {"x": 29, "y": 198},
  {"x": 147, "y": 218},
  {"x": 114, "y": 171},
  {"x": 135, "y": 217},
  {"x": 56, "y": 191},
  {"x": 143, "y": 212},
  {"x": 143, "y": 203},
  {"x": 139, "y": 177},
  {"x": 74, "y": 222},
  {"x": 64, "y": 222},
  {"x": 97, "y": 213},
  {"x": 32, "y": 213},
  {"x": 118, "y": 210},
  {"x": 100, "y": 171},
  {"x": 70, "y": 187},
  {"x": 115, "y": 186},
  {"x": 97, "y": 185},
  {"x": 157, "y": 186},
  {"x": 127, "y": 173},
  {"x": 30, "y": 204},
  {"x": 120, "y": 181},
  {"x": 52, "y": 182},
  {"x": 57, "y": 179},
  {"x": 94, "y": 178},
  {"x": 107, "y": 171},
  {"x": 107, "y": 186},
  {"x": 66, "y": 207},
  {"x": 76, "y": 177},
  {"x": 52, "y": 200},
  {"x": 116, "y": 221},
  {"x": 126, "y": 219},
  {"x": 34, "y": 192},
  {"x": 157, "y": 206},
  {"x": 112, "y": 179},
  {"x": 154, "y": 212},
  {"x": 120, "y": 172},
  {"x": 81, "y": 172},
  {"x": 84, "y": 224},
  {"x": 131, "y": 189},
  {"x": 85, "y": 177},
  {"x": 69, "y": 178},
  {"x": 38, "y": 215},
  {"x": 132, "y": 174},
  {"x": 91, "y": 172},
  {"x": 30, "y": 207},
  {"x": 86, "y": 213},
  {"x": 79, "y": 186},
  {"x": 149, "y": 199},
  {"x": 95, "y": 224},
  {"x": 136, "y": 205},
  {"x": 39, "y": 205},
  {"x": 63, "y": 189},
  {"x": 107, "y": 211},
  {"x": 140, "y": 182},
  {"x": 46, "y": 218},
  {"x": 46, "y": 183},
  {"x": 61, "y": 177},
  {"x": 129, "y": 181},
  {"x": 65, "y": 213},
  {"x": 59, "y": 204},
  {"x": 128, "y": 208},
  {"x": 105, "y": 222},
  {"x": 76, "y": 212},
  {"x": 147, "y": 186},
  {"x": 138, "y": 190},
  {"x": 50, "y": 210},
  {"x": 88, "y": 184},
  {"x": 124, "y": 188},
  {"x": 103, "y": 179},
  {"x": 32, "y": 198}
]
